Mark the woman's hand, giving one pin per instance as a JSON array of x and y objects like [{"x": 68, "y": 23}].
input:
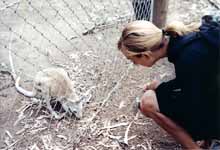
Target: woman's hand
[{"x": 151, "y": 85}]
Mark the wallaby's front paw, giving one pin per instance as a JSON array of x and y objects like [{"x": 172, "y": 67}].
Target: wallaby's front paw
[{"x": 56, "y": 116}]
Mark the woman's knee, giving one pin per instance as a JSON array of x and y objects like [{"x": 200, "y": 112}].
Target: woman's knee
[{"x": 149, "y": 104}]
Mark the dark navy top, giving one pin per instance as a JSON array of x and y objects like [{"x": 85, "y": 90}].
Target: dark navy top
[{"x": 192, "y": 99}]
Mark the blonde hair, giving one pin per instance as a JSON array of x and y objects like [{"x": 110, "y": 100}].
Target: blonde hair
[
  {"x": 141, "y": 36},
  {"x": 177, "y": 28}
]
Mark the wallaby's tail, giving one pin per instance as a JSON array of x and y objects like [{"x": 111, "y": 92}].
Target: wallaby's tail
[{"x": 23, "y": 91}]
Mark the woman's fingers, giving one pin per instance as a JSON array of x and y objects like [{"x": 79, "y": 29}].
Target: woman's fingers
[
  {"x": 146, "y": 87},
  {"x": 148, "y": 102},
  {"x": 151, "y": 85}
]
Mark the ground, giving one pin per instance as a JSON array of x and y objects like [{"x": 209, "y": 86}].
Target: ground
[{"x": 81, "y": 37}]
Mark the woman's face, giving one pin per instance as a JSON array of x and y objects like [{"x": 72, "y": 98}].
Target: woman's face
[
  {"x": 147, "y": 58},
  {"x": 139, "y": 59}
]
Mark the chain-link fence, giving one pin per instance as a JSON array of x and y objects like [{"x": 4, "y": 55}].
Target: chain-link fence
[{"x": 79, "y": 36}]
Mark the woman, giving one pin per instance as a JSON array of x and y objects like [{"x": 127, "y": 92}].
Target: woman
[{"x": 186, "y": 107}]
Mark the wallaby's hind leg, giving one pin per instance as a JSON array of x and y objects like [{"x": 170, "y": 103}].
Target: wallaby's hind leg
[
  {"x": 53, "y": 113},
  {"x": 60, "y": 110},
  {"x": 39, "y": 107}
]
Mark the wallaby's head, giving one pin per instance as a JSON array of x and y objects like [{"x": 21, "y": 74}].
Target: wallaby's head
[{"x": 73, "y": 108}]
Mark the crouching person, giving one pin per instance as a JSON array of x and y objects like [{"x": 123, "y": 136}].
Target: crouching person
[{"x": 187, "y": 107}]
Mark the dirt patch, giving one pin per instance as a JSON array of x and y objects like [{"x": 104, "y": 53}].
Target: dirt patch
[{"x": 110, "y": 82}]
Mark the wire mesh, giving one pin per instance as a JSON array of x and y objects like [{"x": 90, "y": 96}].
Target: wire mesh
[
  {"x": 79, "y": 36},
  {"x": 142, "y": 9}
]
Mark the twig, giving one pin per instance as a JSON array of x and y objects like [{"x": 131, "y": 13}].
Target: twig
[
  {"x": 21, "y": 111},
  {"x": 46, "y": 141},
  {"x": 13, "y": 143},
  {"x": 114, "y": 137},
  {"x": 126, "y": 139},
  {"x": 113, "y": 90},
  {"x": 115, "y": 126},
  {"x": 141, "y": 123},
  {"x": 122, "y": 104},
  {"x": 214, "y": 5},
  {"x": 35, "y": 147},
  {"x": 20, "y": 117},
  {"x": 132, "y": 137},
  {"x": 62, "y": 137},
  {"x": 107, "y": 146},
  {"x": 37, "y": 130},
  {"x": 92, "y": 147},
  {"x": 126, "y": 134},
  {"x": 22, "y": 130},
  {"x": 116, "y": 86},
  {"x": 149, "y": 145},
  {"x": 106, "y": 99},
  {"x": 144, "y": 147},
  {"x": 109, "y": 94},
  {"x": 6, "y": 141},
  {"x": 9, "y": 134},
  {"x": 87, "y": 96},
  {"x": 23, "y": 108}
]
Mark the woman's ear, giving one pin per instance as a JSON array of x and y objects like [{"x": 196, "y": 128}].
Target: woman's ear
[
  {"x": 153, "y": 56},
  {"x": 173, "y": 34},
  {"x": 148, "y": 53}
]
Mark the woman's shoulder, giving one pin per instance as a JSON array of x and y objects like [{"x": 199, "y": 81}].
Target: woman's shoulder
[{"x": 189, "y": 44}]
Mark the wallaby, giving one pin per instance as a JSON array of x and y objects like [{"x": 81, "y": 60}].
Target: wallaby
[{"x": 54, "y": 83}]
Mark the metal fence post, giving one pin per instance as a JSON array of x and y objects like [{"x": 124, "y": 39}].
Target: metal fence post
[{"x": 160, "y": 8}]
